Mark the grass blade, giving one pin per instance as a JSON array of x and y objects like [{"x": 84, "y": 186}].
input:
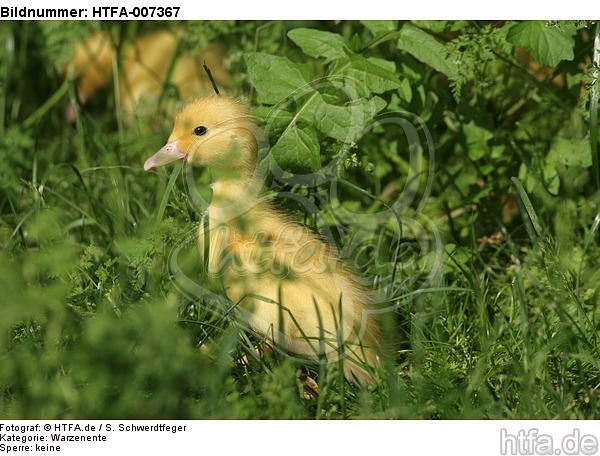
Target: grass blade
[
  {"x": 537, "y": 231},
  {"x": 165, "y": 198}
]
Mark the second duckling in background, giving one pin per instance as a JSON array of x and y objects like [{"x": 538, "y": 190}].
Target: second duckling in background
[{"x": 147, "y": 66}]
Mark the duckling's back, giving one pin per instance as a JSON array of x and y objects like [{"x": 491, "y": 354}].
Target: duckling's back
[{"x": 291, "y": 287}]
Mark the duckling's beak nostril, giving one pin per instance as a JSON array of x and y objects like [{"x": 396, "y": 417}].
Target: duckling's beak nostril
[{"x": 169, "y": 153}]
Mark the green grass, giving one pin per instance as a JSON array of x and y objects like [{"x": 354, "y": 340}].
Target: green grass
[{"x": 96, "y": 322}]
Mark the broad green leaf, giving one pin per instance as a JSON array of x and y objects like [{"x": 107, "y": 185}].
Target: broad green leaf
[
  {"x": 355, "y": 44},
  {"x": 551, "y": 178},
  {"x": 477, "y": 140},
  {"x": 317, "y": 43},
  {"x": 434, "y": 26},
  {"x": 570, "y": 153},
  {"x": 275, "y": 120},
  {"x": 565, "y": 153},
  {"x": 441, "y": 27},
  {"x": 387, "y": 65},
  {"x": 548, "y": 44},
  {"x": 275, "y": 78},
  {"x": 345, "y": 123},
  {"x": 405, "y": 91},
  {"x": 297, "y": 149},
  {"x": 425, "y": 48},
  {"x": 371, "y": 76},
  {"x": 380, "y": 27}
]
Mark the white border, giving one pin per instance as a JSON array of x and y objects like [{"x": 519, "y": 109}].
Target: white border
[
  {"x": 302, "y": 438},
  {"x": 343, "y": 10}
]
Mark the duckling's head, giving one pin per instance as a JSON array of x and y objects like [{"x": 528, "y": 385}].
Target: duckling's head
[{"x": 215, "y": 132}]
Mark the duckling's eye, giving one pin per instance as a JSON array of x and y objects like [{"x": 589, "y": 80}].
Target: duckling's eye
[{"x": 199, "y": 131}]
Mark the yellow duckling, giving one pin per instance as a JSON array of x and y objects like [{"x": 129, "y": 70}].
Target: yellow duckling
[
  {"x": 287, "y": 283},
  {"x": 146, "y": 67}
]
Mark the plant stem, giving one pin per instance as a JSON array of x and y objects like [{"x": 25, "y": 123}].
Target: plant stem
[{"x": 594, "y": 108}]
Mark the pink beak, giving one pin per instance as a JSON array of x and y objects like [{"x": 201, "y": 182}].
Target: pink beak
[{"x": 169, "y": 153}]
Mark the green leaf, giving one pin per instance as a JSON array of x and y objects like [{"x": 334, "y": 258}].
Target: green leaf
[
  {"x": 317, "y": 43},
  {"x": 355, "y": 44},
  {"x": 297, "y": 149},
  {"x": 345, "y": 123},
  {"x": 565, "y": 153},
  {"x": 426, "y": 49},
  {"x": 551, "y": 178},
  {"x": 380, "y": 27},
  {"x": 435, "y": 26},
  {"x": 549, "y": 44},
  {"x": 373, "y": 77},
  {"x": 275, "y": 78},
  {"x": 570, "y": 153},
  {"x": 387, "y": 65},
  {"x": 477, "y": 140},
  {"x": 405, "y": 91}
]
